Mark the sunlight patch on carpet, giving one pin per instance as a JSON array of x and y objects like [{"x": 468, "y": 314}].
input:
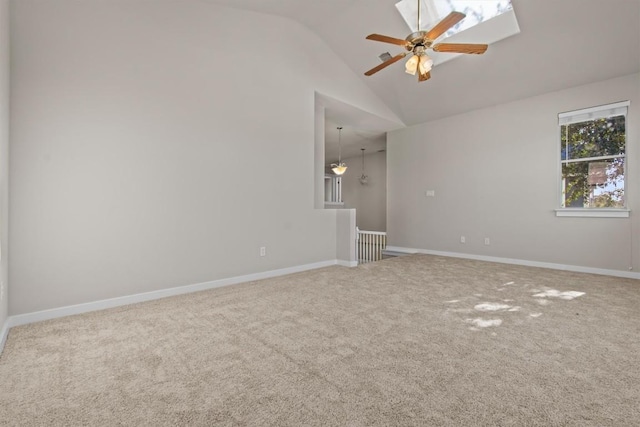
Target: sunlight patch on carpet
[
  {"x": 484, "y": 323},
  {"x": 542, "y": 299},
  {"x": 554, "y": 293},
  {"x": 491, "y": 306}
]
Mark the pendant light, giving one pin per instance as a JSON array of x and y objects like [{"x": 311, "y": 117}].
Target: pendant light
[
  {"x": 363, "y": 178},
  {"x": 340, "y": 167}
]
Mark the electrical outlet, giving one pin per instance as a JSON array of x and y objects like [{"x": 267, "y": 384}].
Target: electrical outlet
[
  {"x": 263, "y": 251},
  {"x": 487, "y": 241},
  {"x": 462, "y": 239},
  {"x": 430, "y": 193}
]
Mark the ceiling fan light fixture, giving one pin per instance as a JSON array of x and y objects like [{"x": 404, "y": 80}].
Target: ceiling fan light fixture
[
  {"x": 412, "y": 65},
  {"x": 419, "y": 41},
  {"x": 426, "y": 63}
]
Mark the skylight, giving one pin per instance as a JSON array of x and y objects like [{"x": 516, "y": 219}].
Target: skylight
[
  {"x": 432, "y": 11},
  {"x": 487, "y": 21}
]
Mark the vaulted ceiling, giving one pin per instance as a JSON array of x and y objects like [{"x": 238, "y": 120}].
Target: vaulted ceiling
[{"x": 562, "y": 43}]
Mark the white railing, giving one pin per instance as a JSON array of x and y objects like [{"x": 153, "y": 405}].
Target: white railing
[{"x": 370, "y": 245}]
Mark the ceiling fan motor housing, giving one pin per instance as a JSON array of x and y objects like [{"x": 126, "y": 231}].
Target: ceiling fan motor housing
[{"x": 419, "y": 38}]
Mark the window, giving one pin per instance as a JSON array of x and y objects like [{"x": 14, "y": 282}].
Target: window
[{"x": 593, "y": 157}]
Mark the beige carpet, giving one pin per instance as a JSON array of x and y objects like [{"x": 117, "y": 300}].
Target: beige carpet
[{"x": 416, "y": 340}]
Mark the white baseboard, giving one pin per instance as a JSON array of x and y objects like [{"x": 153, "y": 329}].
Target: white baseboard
[
  {"x": 38, "y": 316},
  {"x": 347, "y": 263},
  {"x": 575, "y": 268},
  {"x": 4, "y": 333}
]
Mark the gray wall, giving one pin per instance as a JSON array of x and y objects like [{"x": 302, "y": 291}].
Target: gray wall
[
  {"x": 147, "y": 142},
  {"x": 4, "y": 155},
  {"x": 494, "y": 172},
  {"x": 370, "y": 200}
]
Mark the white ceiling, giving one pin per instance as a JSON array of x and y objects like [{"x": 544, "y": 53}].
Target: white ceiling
[
  {"x": 562, "y": 43},
  {"x": 311, "y": 13},
  {"x": 352, "y": 141}
]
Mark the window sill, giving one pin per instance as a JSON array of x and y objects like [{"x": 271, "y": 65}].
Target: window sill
[{"x": 593, "y": 213}]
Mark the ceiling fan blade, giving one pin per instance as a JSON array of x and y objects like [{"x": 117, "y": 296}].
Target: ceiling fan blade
[
  {"x": 387, "y": 39},
  {"x": 385, "y": 64},
  {"x": 449, "y": 21},
  {"x": 424, "y": 77},
  {"x": 460, "y": 48}
]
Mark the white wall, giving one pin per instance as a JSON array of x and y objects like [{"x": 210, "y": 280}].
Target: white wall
[
  {"x": 370, "y": 200},
  {"x": 346, "y": 237},
  {"x": 318, "y": 156},
  {"x": 4, "y": 156},
  {"x": 147, "y": 141},
  {"x": 494, "y": 172}
]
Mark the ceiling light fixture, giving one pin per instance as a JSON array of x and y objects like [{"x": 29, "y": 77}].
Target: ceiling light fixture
[
  {"x": 419, "y": 59},
  {"x": 340, "y": 167},
  {"x": 363, "y": 178},
  {"x": 417, "y": 43}
]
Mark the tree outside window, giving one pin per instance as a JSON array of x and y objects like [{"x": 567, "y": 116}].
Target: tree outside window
[{"x": 592, "y": 154}]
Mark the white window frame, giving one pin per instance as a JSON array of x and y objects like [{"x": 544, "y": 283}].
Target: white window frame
[{"x": 583, "y": 115}]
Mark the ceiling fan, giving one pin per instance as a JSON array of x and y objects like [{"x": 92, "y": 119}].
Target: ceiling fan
[{"x": 417, "y": 43}]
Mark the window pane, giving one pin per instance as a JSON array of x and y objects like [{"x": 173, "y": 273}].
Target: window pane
[
  {"x": 601, "y": 137},
  {"x": 595, "y": 184}
]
